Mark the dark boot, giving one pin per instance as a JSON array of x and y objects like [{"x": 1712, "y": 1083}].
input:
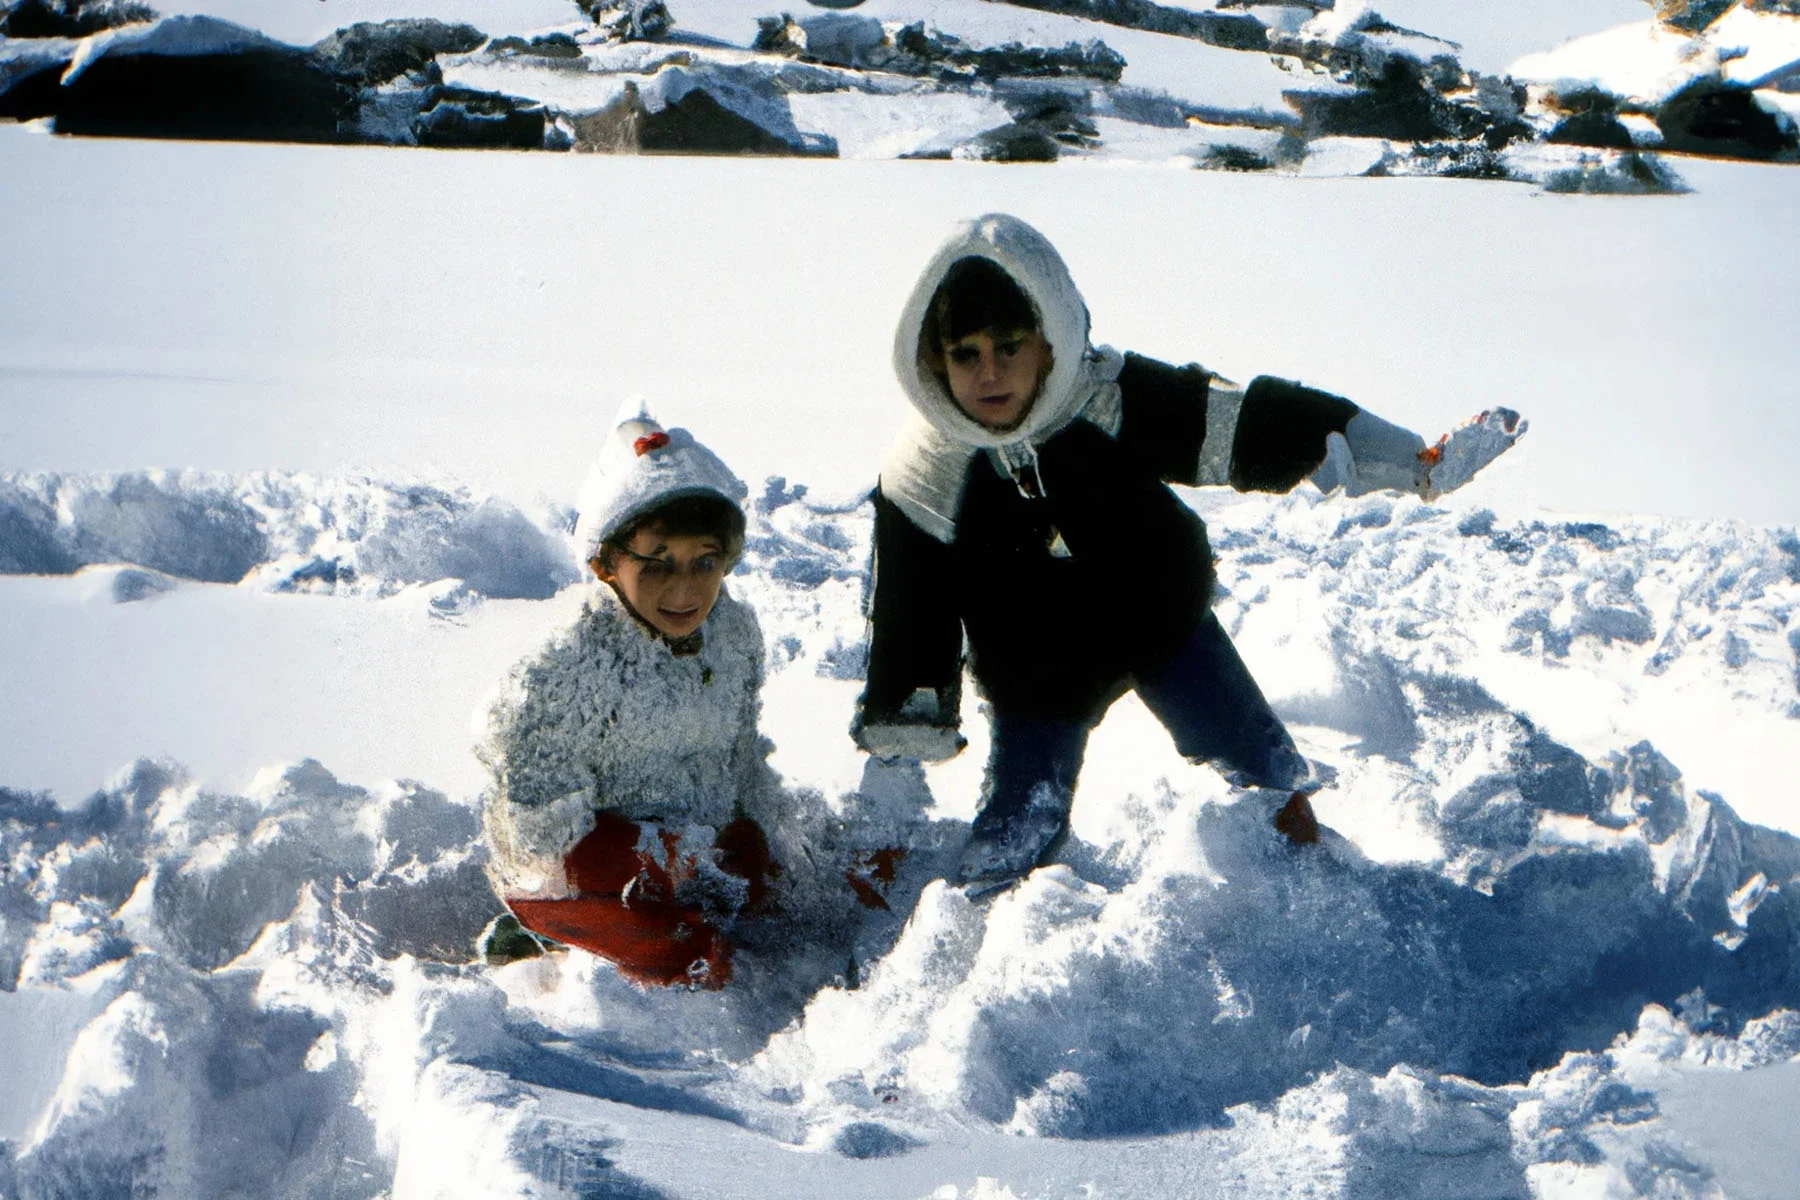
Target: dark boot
[
  {"x": 1004, "y": 847},
  {"x": 505, "y": 940},
  {"x": 1296, "y": 822}
]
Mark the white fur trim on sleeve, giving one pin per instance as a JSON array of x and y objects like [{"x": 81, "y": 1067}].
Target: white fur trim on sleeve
[{"x": 1224, "y": 401}]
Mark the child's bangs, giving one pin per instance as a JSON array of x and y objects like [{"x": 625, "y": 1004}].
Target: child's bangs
[
  {"x": 701, "y": 514},
  {"x": 978, "y": 294}
]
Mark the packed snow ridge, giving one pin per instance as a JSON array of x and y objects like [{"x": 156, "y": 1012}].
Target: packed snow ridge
[
  {"x": 278, "y": 531},
  {"x": 1475, "y": 987},
  {"x": 1309, "y": 87}
]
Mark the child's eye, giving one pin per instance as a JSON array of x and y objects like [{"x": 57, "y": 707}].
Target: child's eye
[
  {"x": 658, "y": 568},
  {"x": 1009, "y": 348},
  {"x": 964, "y": 356},
  {"x": 706, "y": 564}
]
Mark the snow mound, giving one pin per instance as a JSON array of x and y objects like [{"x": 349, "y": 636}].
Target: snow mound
[
  {"x": 1231, "y": 970},
  {"x": 280, "y": 532},
  {"x": 1524, "y": 945}
]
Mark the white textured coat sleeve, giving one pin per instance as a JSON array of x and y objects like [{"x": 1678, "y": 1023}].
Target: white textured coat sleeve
[{"x": 527, "y": 844}]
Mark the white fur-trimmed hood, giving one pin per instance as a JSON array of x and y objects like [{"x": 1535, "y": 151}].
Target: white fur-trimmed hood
[
  {"x": 925, "y": 473},
  {"x": 1026, "y": 255}
]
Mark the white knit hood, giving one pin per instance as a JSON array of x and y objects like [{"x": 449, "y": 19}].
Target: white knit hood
[
  {"x": 642, "y": 465},
  {"x": 1029, "y": 258},
  {"x": 925, "y": 473}
]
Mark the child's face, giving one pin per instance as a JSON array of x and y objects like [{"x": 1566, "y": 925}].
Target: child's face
[
  {"x": 670, "y": 581},
  {"x": 994, "y": 374}
]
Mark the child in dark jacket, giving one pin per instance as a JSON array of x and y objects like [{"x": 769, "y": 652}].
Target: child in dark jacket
[{"x": 1028, "y": 510}]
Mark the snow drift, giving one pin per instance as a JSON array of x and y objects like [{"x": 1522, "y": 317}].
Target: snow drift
[
  {"x": 290, "y": 532},
  {"x": 1481, "y": 985}
]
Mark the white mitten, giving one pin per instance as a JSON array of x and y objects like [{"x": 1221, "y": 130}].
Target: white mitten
[
  {"x": 896, "y": 739},
  {"x": 1468, "y": 448},
  {"x": 925, "y": 728},
  {"x": 1373, "y": 455}
]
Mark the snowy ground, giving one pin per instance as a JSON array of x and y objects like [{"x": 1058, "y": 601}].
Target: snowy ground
[
  {"x": 1435, "y": 1003},
  {"x": 1553, "y": 950}
]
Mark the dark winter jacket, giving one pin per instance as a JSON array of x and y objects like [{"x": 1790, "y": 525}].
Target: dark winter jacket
[{"x": 1057, "y": 548}]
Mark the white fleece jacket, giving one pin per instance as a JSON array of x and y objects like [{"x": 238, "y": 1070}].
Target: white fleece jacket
[{"x": 606, "y": 717}]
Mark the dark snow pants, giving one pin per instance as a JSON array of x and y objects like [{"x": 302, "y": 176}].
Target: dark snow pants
[{"x": 1203, "y": 695}]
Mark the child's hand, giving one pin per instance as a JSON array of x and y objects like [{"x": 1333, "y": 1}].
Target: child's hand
[
  {"x": 1468, "y": 448},
  {"x": 924, "y": 727},
  {"x": 907, "y": 739}
]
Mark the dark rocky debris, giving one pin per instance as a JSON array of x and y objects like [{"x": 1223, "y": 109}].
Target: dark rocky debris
[
  {"x": 69, "y": 18},
  {"x": 864, "y": 43},
  {"x": 629, "y": 20},
  {"x": 1691, "y": 15},
  {"x": 1631, "y": 174},
  {"x": 367, "y": 54},
  {"x": 250, "y": 94},
  {"x": 1407, "y": 102},
  {"x": 1234, "y": 158},
  {"x": 1593, "y": 120},
  {"x": 466, "y": 119},
  {"x": 394, "y": 82},
  {"x": 1234, "y": 31},
  {"x": 549, "y": 45},
  {"x": 1716, "y": 118},
  {"x": 696, "y": 121}
]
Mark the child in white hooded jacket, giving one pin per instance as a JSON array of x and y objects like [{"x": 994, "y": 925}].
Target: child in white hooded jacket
[{"x": 630, "y": 799}]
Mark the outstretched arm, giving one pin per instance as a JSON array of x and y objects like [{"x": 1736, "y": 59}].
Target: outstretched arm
[{"x": 1273, "y": 434}]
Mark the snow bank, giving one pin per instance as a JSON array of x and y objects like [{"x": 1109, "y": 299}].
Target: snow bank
[
  {"x": 1231, "y": 971},
  {"x": 1526, "y": 941},
  {"x": 280, "y": 532}
]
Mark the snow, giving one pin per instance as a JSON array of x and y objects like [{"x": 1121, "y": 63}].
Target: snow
[
  {"x": 872, "y": 126},
  {"x": 1413, "y": 292},
  {"x": 571, "y": 90},
  {"x": 1648, "y": 61},
  {"x": 288, "y": 440},
  {"x": 1759, "y": 47},
  {"x": 1720, "y": 1109},
  {"x": 983, "y": 1042},
  {"x": 228, "y": 682},
  {"x": 1493, "y": 36}
]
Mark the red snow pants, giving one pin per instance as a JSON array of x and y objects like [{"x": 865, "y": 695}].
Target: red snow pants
[{"x": 624, "y": 908}]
